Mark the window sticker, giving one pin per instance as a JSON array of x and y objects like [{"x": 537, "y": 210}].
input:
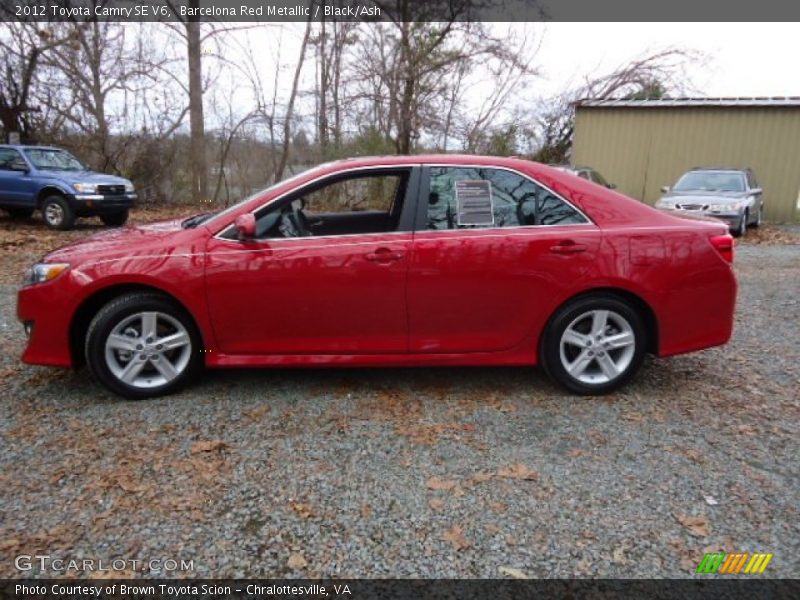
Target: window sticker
[{"x": 474, "y": 202}]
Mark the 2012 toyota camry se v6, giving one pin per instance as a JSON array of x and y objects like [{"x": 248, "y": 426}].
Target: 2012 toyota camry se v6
[{"x": 403, "y": 261}]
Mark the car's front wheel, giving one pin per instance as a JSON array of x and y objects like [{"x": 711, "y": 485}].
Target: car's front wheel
[
  {"x": 742, "y": 228},
  {"x": 142, "y": 345},
  {"x": 594, "y": 344},
  {"x": 57, "y": 213}
]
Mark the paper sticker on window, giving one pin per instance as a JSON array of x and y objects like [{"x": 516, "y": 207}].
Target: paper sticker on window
[{"x": 474, "y": 202}]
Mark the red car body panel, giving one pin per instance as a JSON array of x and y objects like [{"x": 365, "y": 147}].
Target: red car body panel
[{"x": 467, "y": 297}]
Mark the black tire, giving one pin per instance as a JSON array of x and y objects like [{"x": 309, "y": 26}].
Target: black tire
[
  {"x": 760, "y": 217},
  {"x": 116, "y": 312},
  {"x": 117, "y": 219},
  {"x": 550, "y": 350},
  {"x": 741, "y": 230},
  {"x": 20, "y": 213},
  {"x": 57, "y": 213}
]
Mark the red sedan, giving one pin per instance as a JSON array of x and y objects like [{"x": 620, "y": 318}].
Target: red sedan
[{"x": 404, "y": 261}]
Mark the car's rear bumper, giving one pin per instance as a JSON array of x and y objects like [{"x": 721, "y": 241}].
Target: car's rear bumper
[{"x": 99, "y": 204}]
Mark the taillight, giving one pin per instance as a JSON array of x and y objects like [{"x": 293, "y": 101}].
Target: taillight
[{"x": 724, "y": 245}]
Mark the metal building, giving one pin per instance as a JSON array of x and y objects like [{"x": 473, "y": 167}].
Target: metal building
[{"x": 642, "y": 145}]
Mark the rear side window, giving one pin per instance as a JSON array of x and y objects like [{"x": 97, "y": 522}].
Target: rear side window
[
  {"x": 8, "y": 156},
  {"x": 472, "y": 197}
]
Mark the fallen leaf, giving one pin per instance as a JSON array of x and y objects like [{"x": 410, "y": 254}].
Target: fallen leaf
[
  {"x": 303, "y": 510},
  {"x": 512, "y": 572},
  {"x": 436, "y": 503},
  {"x": 482, "y": 477},
  {"x": 256, "y": 413},
  {"x": 129, "y": 486},
  {"x": 208, "y": 446},
  {"x": 697, "y": 526},
  {"x": 576, "y": 452},
  {"x": 434, "y": 483},
  {"x": 497, "y": 506},
  {"x": 366, "y": 511},
  {"x": 455, "y": 536},
  {"x": 519, "y": 471},
  {"x": 296, "y": 561}
]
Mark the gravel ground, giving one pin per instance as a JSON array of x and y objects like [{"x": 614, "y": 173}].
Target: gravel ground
[{"x": 420, "y": 473}]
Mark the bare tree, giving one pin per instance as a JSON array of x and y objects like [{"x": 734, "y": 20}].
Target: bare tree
[{"x": 650, "y": 76}]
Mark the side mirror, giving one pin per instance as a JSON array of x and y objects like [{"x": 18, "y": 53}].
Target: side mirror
[
  {"x": 665, "y": 189},
  {"x": 19, "y": 165},
  {"x": 756, "y": 191},
  {"x": 612, "y": 186},
  {"x": 246, "y": 225}
]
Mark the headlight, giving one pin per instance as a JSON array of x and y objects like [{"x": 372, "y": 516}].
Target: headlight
[
  {"x": 128, "y": 187},
  {"x": 727, "y": 207},
  {"x": 41, "y": 272},
  {"x": 664, "y": 204},
  {"x": 85, "y": 188}
]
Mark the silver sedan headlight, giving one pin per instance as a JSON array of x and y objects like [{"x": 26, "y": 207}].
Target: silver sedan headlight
[
  {"x": 664, "y": 204},
  {"x": 85, "y": 188},
  {"x": 41, "y": 272}
]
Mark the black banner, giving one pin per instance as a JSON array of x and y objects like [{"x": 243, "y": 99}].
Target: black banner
[
  {"x": 356, "y": 589},
  {"x": 401, "y": 10}
]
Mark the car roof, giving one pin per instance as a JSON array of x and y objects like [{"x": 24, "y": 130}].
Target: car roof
[
  {"x": 723, "y": 169},
  {"x": 28, "y": 147}
]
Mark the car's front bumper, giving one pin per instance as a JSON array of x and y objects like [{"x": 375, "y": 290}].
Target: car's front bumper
[
  {"x": 99, "y": 204},
  {"x": 47, "y": 329}
]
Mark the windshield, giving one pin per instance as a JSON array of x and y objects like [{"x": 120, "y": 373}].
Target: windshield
[
  {"x": 55, "y": 160},
  {"x": 711, "y": 181}
]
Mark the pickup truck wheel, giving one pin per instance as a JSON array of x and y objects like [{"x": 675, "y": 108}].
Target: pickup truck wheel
[
  {"x": 57, "y": 214},
  {"x": 19, "y": 213},
  {"x": 142, "y": 345},
  {"x": 117, "y": 219}
]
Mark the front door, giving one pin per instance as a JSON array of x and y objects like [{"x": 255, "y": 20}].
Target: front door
[
  {"x": 16, "y": 186},
  {"x": 326, "y": 273}
]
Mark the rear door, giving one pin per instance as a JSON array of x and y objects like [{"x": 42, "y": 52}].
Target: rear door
[
  {"x": 492, "y": 250},
  {"x": 326, "y": 274}
]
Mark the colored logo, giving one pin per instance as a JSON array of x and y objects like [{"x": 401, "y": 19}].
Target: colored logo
[{"x": 743, "y": 562}]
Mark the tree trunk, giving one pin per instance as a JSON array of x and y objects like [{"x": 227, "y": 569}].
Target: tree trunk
[{"x": 197, "y": 150}]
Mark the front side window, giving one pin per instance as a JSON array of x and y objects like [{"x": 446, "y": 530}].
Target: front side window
[
  {"x": 477, "y": 197},
  {"x": 8, "y": 158},
  {"x": 360, "y": 204},
  {"x": 54, "y": 160}
]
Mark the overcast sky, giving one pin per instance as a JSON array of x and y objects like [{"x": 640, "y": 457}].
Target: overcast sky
[{"x": 743, "y": 59}]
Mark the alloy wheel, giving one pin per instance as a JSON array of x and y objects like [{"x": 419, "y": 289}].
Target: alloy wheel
[
  {"x": 597, "y": 347},
  {"x": 148, "y": 349},
  {"x": 54, "y": 214}
]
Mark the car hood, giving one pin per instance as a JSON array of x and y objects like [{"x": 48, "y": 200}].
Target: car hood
[
  {"x": 114, "y": 243},
  {"x": 85, "y": 177},
  {"x": 701, "y": 197}
]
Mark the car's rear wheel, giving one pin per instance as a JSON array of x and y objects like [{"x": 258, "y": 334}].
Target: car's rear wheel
[
  {"x": 594, "y": 344},
  {"x": 20, "y": 213},
  {"x": 143, "y": 345},
  {"x": 57, "y": 213},
  {"x": 117, "y": 219}
]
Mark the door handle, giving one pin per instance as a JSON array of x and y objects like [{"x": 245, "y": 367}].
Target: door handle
[
  {"x": 567, "y": 247},
  {"x": 384, "y": 255}
]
